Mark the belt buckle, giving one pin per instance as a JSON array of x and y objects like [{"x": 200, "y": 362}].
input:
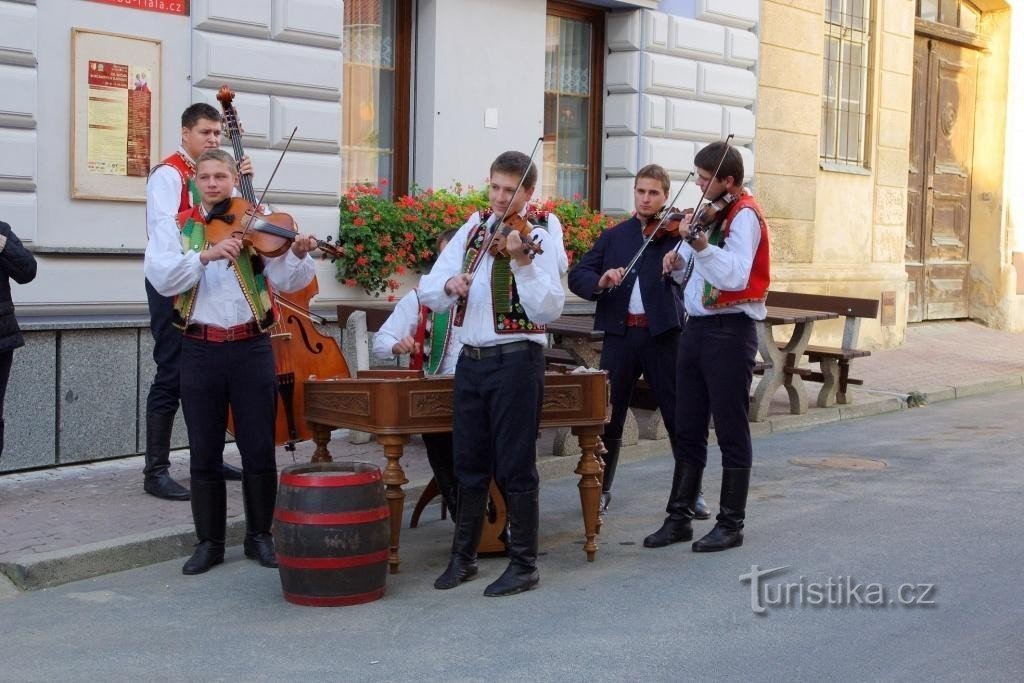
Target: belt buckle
[{"x": 230, "y": 334}]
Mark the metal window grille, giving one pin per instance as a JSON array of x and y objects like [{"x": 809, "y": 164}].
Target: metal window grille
[{"x": 844, "y": 106}]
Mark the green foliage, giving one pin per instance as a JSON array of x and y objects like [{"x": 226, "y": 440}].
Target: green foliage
[{"x": 380, "y": 238}]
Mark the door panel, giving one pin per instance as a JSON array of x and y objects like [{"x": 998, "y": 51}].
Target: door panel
[{"x": 939, "y": 180}]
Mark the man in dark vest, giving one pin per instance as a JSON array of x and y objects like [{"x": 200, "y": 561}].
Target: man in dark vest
[
  {"x": 639, "y": 313},
  {"x": 725, "y": 272},
  {"x": 169, "y": 191}
]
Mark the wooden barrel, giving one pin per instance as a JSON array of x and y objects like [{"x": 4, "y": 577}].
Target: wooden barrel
[{"x": 332, "y": 532}]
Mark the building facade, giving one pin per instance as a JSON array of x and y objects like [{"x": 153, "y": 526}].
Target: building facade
[{"x": 819, "y": 95}]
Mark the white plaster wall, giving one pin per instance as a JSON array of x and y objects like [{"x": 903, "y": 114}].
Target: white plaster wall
[
  {"x": 464, "y": 68},
  {"x": 282, "y": 58},
  {"x": 676, "y": 83}
]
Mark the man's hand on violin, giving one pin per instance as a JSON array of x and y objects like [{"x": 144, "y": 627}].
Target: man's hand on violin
[
  {"x": 303, "y": 245},
  {"x": 672, "y": 261},
  {"x": 458, "y": 285},
  {"x": 227, "y": 249},
  {"x": 404, "y": 345},
  {"x": 515, "y": 250},
  {"x": 611, "y": 278}
]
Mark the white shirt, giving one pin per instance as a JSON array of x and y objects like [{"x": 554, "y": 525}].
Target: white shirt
[
  {"x": 539, "y": 285},
  {"x": 220, "y": 301},
  {"x": 403, "y": 322},
  {"x": 555, "y": 230},
  {"x": 726, "y": 268}
]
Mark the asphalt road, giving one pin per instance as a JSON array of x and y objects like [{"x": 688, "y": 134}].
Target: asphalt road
[{"x": 898, "y": 533}]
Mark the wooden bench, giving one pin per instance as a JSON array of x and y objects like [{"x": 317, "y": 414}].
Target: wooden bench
[{"x": 834, "y": 362}]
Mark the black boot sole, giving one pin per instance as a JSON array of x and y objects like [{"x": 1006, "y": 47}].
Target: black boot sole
[
  {"x": 157, "y": 491},
  {"x": 717, "y": 547},
  {"x": 202, "y": 569},
  {"x": 523, "y": 587},
  {"x": 447, "y": 585}
]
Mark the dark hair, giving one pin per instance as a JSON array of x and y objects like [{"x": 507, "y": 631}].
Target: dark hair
[
  {"x": 515, "y": 164},
  {"x": 708, "y": 157},
  {"x": 655, "y": 172},
  {"x": 200, "y": 110},
  {"x": 444, "y": 237}
]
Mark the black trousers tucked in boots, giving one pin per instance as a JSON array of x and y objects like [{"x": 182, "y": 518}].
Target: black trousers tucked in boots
[
  {"x": 728, "y": 530},
  {"x": 521, "y": 574},
  {"x": 469, "y": 524},
  {"x": 209, "y": 511},
  {"x": 682, "y": 500},
  {"x": 259, "y": 493}
]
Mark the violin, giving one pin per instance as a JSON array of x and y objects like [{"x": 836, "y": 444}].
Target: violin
[
  {"x": 665, "y": 223},
  {"x": 515, "y": 223},
  {"x": 710, "y": 216},
  {"x": 268, "y": 234}
]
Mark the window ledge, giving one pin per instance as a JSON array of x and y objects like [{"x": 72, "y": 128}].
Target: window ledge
[{"x": 838, "y": 167}]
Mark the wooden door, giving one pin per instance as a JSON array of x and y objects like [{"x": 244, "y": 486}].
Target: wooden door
[{"x": 939, "y": 183}]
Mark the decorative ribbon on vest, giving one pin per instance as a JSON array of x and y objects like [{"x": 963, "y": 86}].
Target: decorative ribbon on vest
[
  {"x": 248, "y": 269},
  {"x": 760, "y": 270},
  {"x": 509, "y": 315}
]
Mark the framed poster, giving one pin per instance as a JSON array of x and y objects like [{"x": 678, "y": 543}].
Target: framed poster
[{"x": 115, "y": 114}]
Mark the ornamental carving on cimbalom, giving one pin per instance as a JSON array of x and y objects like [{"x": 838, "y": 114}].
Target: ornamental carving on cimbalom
[
  {"x": 430, "y": 404},
  {"x": 947, "y": 120},
  {"x": 349, "y": 404},
  {"x": 562, "y": 398}
]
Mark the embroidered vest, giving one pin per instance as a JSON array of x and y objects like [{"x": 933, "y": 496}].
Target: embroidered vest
[
  {"x": 248, "y": 270},
  {"x": 760, "y": 270},
  {"x": 187, "y": 170},
  {"x": 440, "y": 331},
  {"x": 509, "y": 315}
]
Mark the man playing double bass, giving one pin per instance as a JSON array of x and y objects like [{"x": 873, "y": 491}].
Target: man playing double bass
[
  {"x": 725, "y": 272},
  {"x": 639, "y": 313},
  {"x": 169, "y": 191}
]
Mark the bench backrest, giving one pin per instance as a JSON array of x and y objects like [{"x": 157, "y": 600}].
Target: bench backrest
[
  {"x": 376, "y": 314},
  {"x": 851, "y": 308},
  {"x": 843, "y": 305}
]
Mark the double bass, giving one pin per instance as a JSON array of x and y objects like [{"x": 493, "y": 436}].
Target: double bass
[{"x": 301, "y": 351}]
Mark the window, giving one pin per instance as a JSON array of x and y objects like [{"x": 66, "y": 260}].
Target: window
[
  {"x": 950, "y": 12},
  {"x": 844, "y": 107},
  {"x": 375, "y": 98},
  {"x": 573, "y": 63}
]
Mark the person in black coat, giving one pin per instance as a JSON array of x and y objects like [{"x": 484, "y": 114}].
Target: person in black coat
[
  {"x": 639, "y": 313},
  {"x": 16, "y": 263}
]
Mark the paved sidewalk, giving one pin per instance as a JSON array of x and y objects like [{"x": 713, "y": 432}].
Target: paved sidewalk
[{"x": 69, "y": 523}]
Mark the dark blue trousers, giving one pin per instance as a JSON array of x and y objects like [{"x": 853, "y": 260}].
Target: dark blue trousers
[
  {"x": 164, "y": 393},
  {"x": 625, "y": 358},
  {"x": 714, "y": 372},
  {"x": 239, "y": 374},
  {"x": 497, "y": 405},
  {"x": 6, "y": 360}
]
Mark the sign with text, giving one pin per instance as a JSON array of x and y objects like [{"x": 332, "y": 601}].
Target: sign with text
[{"x": 179, "y": 7}]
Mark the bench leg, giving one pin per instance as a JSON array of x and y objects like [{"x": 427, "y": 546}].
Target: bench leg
[
  {"x": 830, "y": 382},
  {"x": 844, "y": 375}
]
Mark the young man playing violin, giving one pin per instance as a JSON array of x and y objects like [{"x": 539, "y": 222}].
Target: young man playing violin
[
  {"x": 639, "y": 313},
  {"x": 223, "y": 302},
  {"x": 169, "y": 191},
  {"x": 504, "y": 300},
  {"x": 428, "y": 336},
  {"x": 725, "y": 271}
]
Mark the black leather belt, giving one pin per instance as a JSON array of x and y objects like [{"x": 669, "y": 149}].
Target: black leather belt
[{"x": 478, "y": 352}]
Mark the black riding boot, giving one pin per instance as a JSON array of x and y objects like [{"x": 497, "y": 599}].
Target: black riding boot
[
  {"x": 157, "y": 480},
  {"x": 469, "y": 524},
  {"x": 728, "y": 531},
  {"x": 259, "y": 493},
  {"x": 677, "y": 526},
  {"x": 521, "y": 574},
  {"x": 611, "y": 461},
  {"x": 209, "y": 512}
]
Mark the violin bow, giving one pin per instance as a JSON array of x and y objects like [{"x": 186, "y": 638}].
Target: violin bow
[
  {"x": 259, "y": 202},
  {"x": 650, "y": 238},
  {"x": 704, "y": 194}
]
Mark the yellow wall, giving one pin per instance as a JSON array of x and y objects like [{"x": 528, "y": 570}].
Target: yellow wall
[{"x": 844, "y": 233}]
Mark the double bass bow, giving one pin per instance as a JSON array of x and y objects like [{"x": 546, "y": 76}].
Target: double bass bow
[{"x": 301, "y": 351}]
